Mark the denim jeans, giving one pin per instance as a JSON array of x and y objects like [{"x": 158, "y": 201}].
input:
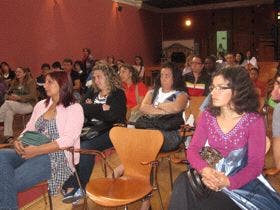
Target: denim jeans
[
  {"x": 255, "y": 195},
  {"x": 86, "y": 164},
  {"x": 18, "y": 174},
  {"x": 172, "y": 140}
]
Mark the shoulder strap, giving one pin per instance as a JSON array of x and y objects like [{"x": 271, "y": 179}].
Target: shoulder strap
[{"x": 155, "y": 93}]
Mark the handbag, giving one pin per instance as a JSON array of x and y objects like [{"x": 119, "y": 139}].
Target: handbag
[
  {"x": 93, "y": 129},
  {"x": 166, "y": 122},
  {"x": 34, "y": 138},
  {"x": 211, "y": 156}
]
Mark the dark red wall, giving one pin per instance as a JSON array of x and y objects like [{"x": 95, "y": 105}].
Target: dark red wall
[
  {"x": 249, "y": 28},
  {"x": 37, "y": 31}
]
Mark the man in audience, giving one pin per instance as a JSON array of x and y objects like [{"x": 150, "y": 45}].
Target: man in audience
[
  {"x": 250, "y": 59},
  {"x": 254, "y": 75},
  {"x": 56, "y": 66},
  {"x": 187, "y": 68},
  {"x": 40, "y": 81},
  {"x": 197, "y": 81},
  {"x": 230, "y": 60},
  {"x": 68, "y": 67},
  {"x": 211, "y": 65},
  {"x": 88, "y": 61}
]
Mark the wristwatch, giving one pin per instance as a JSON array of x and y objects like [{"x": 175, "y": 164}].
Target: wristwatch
[{"x": 156, "y": 104}]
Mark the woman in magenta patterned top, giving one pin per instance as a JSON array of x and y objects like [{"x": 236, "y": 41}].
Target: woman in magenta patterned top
[{"x": 233, "y": 126}]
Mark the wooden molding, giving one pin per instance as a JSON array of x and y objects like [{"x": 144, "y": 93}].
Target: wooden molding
[
  {"x": 135, "y": 3},
  {"x": 214, "y": 6},
  {"x": 140, "y": 4}
]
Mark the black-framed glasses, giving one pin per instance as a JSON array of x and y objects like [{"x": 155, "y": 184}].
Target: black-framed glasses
[{"x": 219, "y": 89}]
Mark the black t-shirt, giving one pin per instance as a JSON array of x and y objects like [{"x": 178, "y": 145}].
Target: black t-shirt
[
  {"x": 40, "y": 81},
  {"x": 74, "y": 76},
  {"x": 11, "y": 75}
]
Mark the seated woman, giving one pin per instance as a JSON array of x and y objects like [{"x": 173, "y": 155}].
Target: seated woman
[
  {"x": 59, "y": 118},
  {"x": 20, "y": 99},
  {"x": 233, "y": 126},
  {"x": 260, "y": 86},
  {"x": 134, "y": 89},
  {"x": 108, "y": 105},
  {"x": 139, "y": 66},
  {"x": 168, "y": 97}
]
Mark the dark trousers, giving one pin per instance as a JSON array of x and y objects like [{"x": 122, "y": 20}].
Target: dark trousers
[
  {"x": 85, "y": 167},
  {"x": 183, "y": 198}
]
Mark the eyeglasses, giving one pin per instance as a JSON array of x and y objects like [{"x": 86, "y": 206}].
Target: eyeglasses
[
  {"x": 197, "y": 63},
  {"x": 219, "y": 89}
]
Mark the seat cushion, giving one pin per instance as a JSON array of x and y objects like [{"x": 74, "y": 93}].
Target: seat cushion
[{"x": 117, "y": 192}]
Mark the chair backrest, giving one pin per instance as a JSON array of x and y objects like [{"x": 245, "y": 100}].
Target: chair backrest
[
  {"x": 195, "y": 103},
  {"x": 135, "y": 146}
]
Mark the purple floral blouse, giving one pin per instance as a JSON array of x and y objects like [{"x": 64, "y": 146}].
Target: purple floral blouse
[{"x": 249, "y": 131}]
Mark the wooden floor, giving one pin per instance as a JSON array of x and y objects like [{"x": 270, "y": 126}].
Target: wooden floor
[
  {"x": 163, "y": 181},
  {"x": 163, "y": 177}
]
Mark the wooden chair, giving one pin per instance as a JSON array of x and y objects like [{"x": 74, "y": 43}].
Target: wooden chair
[
  {"x": 23, "y": 117},
  {"x": 29, "y": 195},
  {"x": 195, "y": 103},
  {"x": 137, "y": 150}
]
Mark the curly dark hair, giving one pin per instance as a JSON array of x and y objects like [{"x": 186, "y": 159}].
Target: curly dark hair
[
  {"x": 277, "y": 74},
  {"x": 178, "y": 82},
  {"x": 245, "y": 96},
  {"x": 135, "y": 76}
]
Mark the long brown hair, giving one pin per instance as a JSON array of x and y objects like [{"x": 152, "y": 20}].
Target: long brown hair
[{"x": 25, "y": 79}]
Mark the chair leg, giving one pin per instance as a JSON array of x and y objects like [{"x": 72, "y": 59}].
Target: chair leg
[
  {"x": 170, "y": 173},
  {"x": 156, "y": 186},
  {"x": 85, "y": 206},
  {"x": 105, "y": 166},
  {"x": 160, "y": 198},
  {"x": 125, "y": 207},
  {"x": 50, "y": 200}
]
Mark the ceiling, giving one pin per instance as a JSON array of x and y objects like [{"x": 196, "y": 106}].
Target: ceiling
[{"x": 166, "y": 4}]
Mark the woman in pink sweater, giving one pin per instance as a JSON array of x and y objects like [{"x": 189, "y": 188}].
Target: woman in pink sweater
[
  {"x": 231, "y": 125},
  {"x": 59, "y": 118}
]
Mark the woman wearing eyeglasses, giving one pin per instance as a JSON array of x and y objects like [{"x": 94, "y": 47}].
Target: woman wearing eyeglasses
[
  {"x": 232, "y": 125},
  {"x": 275, "y": 95}
]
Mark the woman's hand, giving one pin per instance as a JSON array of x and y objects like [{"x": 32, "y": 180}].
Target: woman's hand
[
  {"x": 214, "y": 179},
  {"x": 88, "y": 101},
  {"x": 19, "y": 147},
  {"x": 105, "y": 107},
  {"x": 14, "y": 97},
  {"x": 209, "y": 178},
  {"x": 30, "y": 152},
  {"x": 223, "y": 180}
]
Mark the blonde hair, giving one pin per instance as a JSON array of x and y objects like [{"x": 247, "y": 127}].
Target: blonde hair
[{"x": 113, "y": 79}]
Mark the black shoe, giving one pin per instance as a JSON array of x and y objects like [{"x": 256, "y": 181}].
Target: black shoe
[{"x": 73, "y": 196}]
